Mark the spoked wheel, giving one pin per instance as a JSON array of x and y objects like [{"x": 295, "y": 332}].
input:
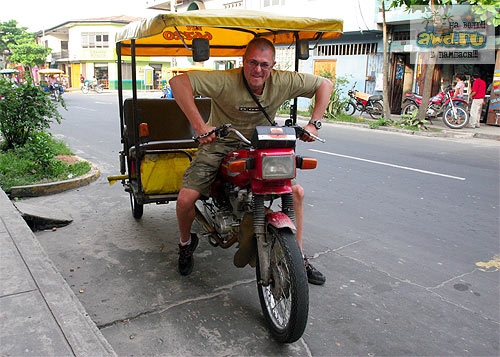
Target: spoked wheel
[
  {"x": 349, "y": 108},
  {"x": 137, "y": 208},
  {"x": 409, "y": 108},
  {"x": 285, "y": 301},
  {"x": 457, "y": 119},
  {"x": 376, "y": 110},
  {"x": 98, "y": 89},
  {"x": 85, "y": 89}
]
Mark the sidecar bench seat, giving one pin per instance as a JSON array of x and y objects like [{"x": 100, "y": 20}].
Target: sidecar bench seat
[
  {"x": 168, "y": 126},
  {"x": 169, "y": 148}
]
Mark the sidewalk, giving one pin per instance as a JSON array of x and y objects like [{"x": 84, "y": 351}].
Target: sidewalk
[{"x": 39, "y": 314}]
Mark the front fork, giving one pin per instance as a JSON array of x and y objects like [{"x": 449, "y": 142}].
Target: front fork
[{"x": 281, "y": 219}]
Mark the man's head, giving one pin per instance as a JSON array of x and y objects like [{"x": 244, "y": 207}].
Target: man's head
[{"x": 258, "y": 62}]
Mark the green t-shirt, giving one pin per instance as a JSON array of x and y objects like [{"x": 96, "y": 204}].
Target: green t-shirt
[{"x": 231, "y": 102}]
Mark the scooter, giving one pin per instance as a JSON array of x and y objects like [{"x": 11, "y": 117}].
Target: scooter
[
  {"x": 454, "y": 110},
  {"x": 251, "y": 203},
  {"x": 56, "y": 91}
]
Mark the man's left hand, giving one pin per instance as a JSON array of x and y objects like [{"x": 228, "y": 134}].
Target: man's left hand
[{"x": 312, "y": 129}]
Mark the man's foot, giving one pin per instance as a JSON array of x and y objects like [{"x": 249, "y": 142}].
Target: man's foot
[
  {"x": 186, "y": 260},
  {"x": 314, "y": 276}
]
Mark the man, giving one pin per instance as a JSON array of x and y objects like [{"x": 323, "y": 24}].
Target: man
[
  {"x": 232, "y": 103},
  {"x": 478, "y": 93}
]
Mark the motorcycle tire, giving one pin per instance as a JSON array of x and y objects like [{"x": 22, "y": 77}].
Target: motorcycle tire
[
  {"x": 409, "y": 108},
  {"x": 57, "y": 95},
  {"x": 137, "y": 208},
  {"x": 458, "y": 121},
  {"x": 85, "y": 89},
  {"x": 284, "y": 302},
  {"x": 376, "y": 110},
  {"x": 349, "y": 108},
  {"x": 98, "y": 89}
]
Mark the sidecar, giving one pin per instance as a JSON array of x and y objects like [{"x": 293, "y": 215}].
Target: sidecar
[{"x": 157, "y": 137}]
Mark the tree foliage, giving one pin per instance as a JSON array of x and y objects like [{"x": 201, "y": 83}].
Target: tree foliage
[
  {"x": 24, "y": 110},
  {"x": 485, "y": 10},
  {"x": 21, "y": 44}
]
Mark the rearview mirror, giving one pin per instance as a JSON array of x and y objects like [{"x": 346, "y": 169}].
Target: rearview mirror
[
  {"x": 303, "y": 49},
  {"x": 201, "y": 49}
]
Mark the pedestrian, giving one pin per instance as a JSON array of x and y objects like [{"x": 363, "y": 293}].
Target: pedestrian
[
  {"x": 82, "y": 80},
  {"x": 232, "y": 103},
  {"x": 478, "y": 93},
  {"x": 460, "y": 86}
]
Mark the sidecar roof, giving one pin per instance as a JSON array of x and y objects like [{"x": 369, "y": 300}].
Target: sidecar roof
[{"x": 228, "y": 31}]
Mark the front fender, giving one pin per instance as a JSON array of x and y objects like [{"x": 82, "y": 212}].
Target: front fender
[{"x": 280, "y": 220}]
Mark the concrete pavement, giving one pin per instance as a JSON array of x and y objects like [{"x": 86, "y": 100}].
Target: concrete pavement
[{"x": 39, "y": 313}]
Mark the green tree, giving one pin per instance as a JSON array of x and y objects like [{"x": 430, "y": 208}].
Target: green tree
[{"x": 21, "y": 45}]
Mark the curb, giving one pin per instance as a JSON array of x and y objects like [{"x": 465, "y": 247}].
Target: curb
[{"x": 58, "y": 186}]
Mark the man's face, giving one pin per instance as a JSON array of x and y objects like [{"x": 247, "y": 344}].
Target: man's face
[{"x": 257, "y": 66}]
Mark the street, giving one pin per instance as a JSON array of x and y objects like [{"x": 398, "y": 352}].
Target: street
[{"x": 405, "y": 228}]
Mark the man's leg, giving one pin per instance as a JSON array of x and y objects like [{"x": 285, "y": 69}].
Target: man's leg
[
  {"x": 314, "y": 276},
  {"x": 185, "y": 217}
]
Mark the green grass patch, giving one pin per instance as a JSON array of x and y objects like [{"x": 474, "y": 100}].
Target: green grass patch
[{"x": 36, "y": 163}]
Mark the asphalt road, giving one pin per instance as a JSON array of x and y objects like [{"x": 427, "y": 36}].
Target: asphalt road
[{"x": 405, "y": 228}]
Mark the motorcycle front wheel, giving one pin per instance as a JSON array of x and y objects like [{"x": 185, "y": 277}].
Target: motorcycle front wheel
[
  {"x": 85, "y": 89},
  {"x": 457, "y": 121},
  {"x": 349, "y": 108},
  {"x": 285, "y": 301},
  {"x": 376, "y": 110}
]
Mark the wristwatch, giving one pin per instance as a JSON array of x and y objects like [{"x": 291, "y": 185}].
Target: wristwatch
[{"x": 316, "y": 123}]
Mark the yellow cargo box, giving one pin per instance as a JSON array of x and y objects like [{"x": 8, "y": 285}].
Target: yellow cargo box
[{"x": 162, "y": 173}]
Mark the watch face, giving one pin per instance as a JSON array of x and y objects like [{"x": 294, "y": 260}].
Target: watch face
[{"x": 317, "y": 124}]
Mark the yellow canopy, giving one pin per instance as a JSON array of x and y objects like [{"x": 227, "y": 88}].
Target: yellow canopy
[{"x": 228, "y": 31}]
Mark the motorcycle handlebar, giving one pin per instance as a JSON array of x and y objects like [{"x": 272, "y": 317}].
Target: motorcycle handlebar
[{"x": 224, "y": 130}]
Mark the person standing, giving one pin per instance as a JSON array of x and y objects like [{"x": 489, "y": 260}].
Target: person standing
[
  {"x": 460, "y": 86},
  {"x": 478, "y": 92}
]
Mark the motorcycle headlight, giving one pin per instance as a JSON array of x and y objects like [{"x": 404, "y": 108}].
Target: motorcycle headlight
[{"x": 278, "y": 167}]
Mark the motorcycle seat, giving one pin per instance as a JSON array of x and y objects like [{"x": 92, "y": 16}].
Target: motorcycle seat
[{"x": 375, "y": 97}]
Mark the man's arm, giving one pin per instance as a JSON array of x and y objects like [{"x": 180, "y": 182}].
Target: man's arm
[
  {"x": 183, "y": 94},
  {"x": 322, "y": 98}
]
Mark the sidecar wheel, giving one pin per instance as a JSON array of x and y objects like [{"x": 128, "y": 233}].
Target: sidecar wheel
[
  {"x": 137, "y": 208},
  {"x": 285, "y": 301}
]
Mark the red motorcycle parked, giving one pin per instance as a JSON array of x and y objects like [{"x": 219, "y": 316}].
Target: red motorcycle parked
[
  {"x": 241, "y": 209},
  {"x": 455, "y": 111},
  {"x": 364, "y": 102}
]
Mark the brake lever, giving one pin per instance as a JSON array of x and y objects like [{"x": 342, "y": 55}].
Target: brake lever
[{"x": 303, "y": 131}]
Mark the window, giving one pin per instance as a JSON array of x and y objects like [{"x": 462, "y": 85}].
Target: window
[
  {"x": 267, "y": 3},
  {"x": 95, "y": 40},
  {"x": 347, "y": 49}
]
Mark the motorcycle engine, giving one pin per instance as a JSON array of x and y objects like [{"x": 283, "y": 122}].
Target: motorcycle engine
[
  {"x": 227, "y": 216},
  {"x": 432, "y": 110}
]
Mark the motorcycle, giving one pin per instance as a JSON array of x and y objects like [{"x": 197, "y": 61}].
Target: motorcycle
[
  {"x": 454, "y": 110},
  {"x": 364, "y": 102},
  {"x": 88, "y": 86},
  {"x": 56, "y": 91},
  {"x": 242, "y": 208}
]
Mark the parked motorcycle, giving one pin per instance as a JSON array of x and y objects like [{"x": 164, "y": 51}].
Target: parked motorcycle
[
  {"x": 88, "y": 86},
  {"x": 56, "y": 91},
  {"x": 364, "y": 102},
  {"x": 243, "y": 208},
  {"x": 455, "y": 111}
]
